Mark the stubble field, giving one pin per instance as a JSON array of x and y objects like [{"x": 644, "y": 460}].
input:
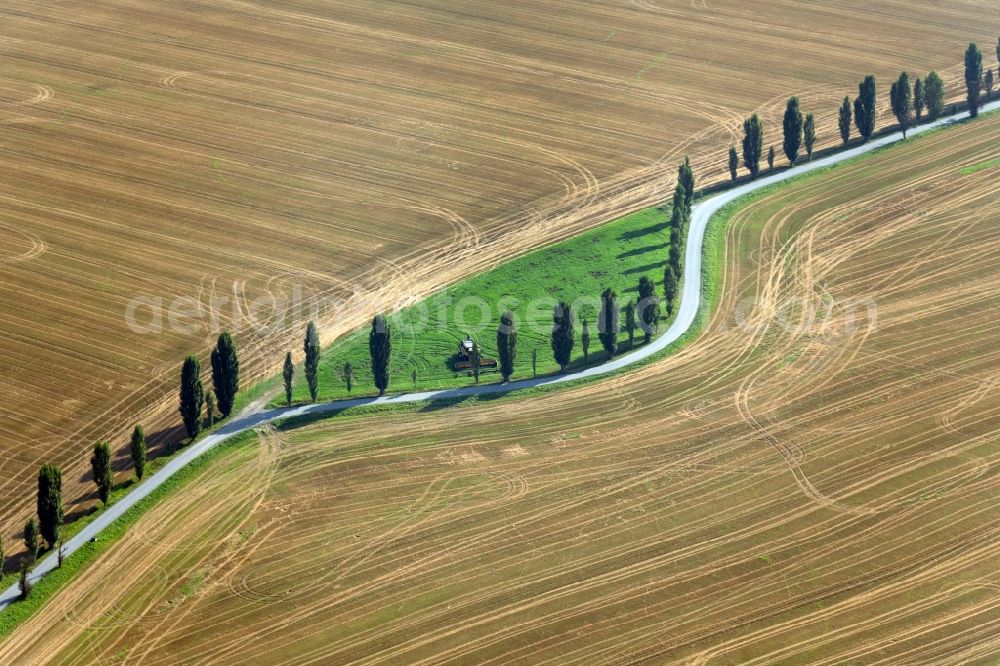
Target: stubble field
[
  {"x": 231, "y": 150},
  {"x": 813, "y": 479}
]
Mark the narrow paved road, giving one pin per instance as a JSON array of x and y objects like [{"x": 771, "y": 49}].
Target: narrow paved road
[{"x": 690, "y": 300}]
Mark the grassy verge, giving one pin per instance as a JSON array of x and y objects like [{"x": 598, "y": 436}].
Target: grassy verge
[{"x": 425, "y": 335}]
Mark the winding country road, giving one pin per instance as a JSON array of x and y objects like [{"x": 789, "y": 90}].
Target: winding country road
[{"x": 690, "y": 300}]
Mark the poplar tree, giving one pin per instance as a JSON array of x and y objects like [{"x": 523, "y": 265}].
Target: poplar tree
[
  {"x": 680, "y": 213},
  {"x": 685, "y": 176},
  {"x": 507, "y": 344},
  {"x": 918, "y": 97},
  {"x": 809, "y": 135},
  {"x": 608, "y": 324},
  {"x": 192, "y": 396},
  {"x": 629, "y": 314},
  {"x": 792, "y": 126},
  {"x": 100, "y": 466},
  {"x": 669, "y": 288},
  {"x": 753, "y": 144},
  {"x": 649, "y": 307},
  {"x": 901, "y": 100},
  {"x": 24, "y": 583},
  {"x": 31, "y": 539},
  {"x": 225, "y": 373},
  {"x": 934, "y": 95},
  {"x": 50, "y": 508},
  {"x": 844, "y": 119},
  {"x": 311, "y": 348},
  {"x": 347, "y": 373},
  {"x": 585, "y": 343},
  {"x": 380, "y": 349},
  {"x": 562, "y": 334},
  {"x": 973, "y": 78},
  {"x": 288, "y": 374},
  {"x": 674, "y": 254},
  {"x": 864, "y": 108},
  {"x": 534, "y": 362},
  {"x": 988, "y": 84},
  {"x": 770, "y": 158},
  {"x": 734, "y": 163},
  {"x": 137, "y": 447}
]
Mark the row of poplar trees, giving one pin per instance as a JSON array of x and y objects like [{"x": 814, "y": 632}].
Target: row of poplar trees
[
  {"x": 46, "y": 525},
  {"x": 379, "y": 346},
  {"x": 905, "y": 101}
]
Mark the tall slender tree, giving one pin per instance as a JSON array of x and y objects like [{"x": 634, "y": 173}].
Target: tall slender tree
[
  {"x": 585, "y": 343},
  {"x": 562, "y": 334},
  {"x": 649, "y": 307},
  {"x": 534, "y": 362},
  {"x": 24, "y": 583},
  {"x": 934, "y": 95},
  {"x": 192, "y": 396},
  {"x": 225, "y": 373},
  {"x": 507, "y": 344},
  {"x": 380, "y": 350},
  {"x": 998, "y": 49},
  {"x": 918, "y": 98},
  {"x": 734, "y": 163},
  {"x": 770, "y": 158},
  {"x": 310, "y": 346},
  {"x": 988, "y": 84},
  {"x": 973, "y": 78},
  {"x": 809, "y": 135},
  {"x": 680, "y": 213},
  {"x": 137, "y": 447},
  {"x": 100, "y": 466},
  {"x": 287, "y": 375},
  {"x": 50, "y": 508},
  {"x": 629, "y": 314},
  {"x": 865, "y": 107},
  {"x": 347, "y": 373},
  {"x": 792, "y": 126},
  {"x": 31, "y": 539},
  {"x": 608, "y": 324},
  {"x": 674, "y": 254},
  {"x": 669, "y": 288},
  {"x": 901, "y": 99},
  {"x": 844, "y": 119},
  {"x": 685, "y": 176},
  {"x": 753, "y": 144}
]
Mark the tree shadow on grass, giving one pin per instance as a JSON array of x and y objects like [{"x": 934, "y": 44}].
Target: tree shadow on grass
[
  {"x": 645, "y": 268},
  {"x": 645, "y": 231},
  {"x": 642, "y": 250}
]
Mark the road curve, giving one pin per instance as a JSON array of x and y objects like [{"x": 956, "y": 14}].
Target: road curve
[{"x": 690, "y": 301}]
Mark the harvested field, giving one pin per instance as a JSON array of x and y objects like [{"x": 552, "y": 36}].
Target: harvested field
[
  {"x": 814, "y": 479},
  {"x": 235, "y": 149}
]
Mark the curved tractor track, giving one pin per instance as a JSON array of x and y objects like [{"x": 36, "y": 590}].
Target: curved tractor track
[{"x": 689, "y": 304}]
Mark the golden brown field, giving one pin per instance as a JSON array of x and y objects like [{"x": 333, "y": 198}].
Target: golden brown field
[
  {"x": 234, "y": 149},
  {"x": 786, "y": 489}
]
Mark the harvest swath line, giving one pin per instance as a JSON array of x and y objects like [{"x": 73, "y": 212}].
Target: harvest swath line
[{"x": 689, "y": 304}]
